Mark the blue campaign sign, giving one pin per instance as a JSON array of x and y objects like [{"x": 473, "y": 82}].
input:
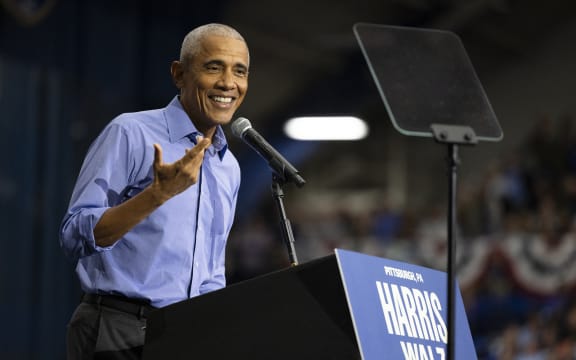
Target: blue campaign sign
[{"x": 400, "y": 310}]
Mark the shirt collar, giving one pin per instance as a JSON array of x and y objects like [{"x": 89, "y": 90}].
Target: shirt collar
[{"x": 180, "y": 126}]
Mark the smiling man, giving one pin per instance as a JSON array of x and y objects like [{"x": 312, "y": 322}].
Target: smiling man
[{"x": 155, "y": 199}]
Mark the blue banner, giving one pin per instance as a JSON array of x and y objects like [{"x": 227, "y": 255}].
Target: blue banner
[{"x": 400, "y": 310}]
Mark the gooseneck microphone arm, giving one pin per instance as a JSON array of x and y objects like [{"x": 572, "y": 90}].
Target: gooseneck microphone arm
[
  {"x": 283, "y": 172},
  {"x": 242, "y": 128}
]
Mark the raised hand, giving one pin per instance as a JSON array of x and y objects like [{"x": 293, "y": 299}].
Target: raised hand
[
  {"x": 172, "y": 179},
  {"x": 169, "y": 180}
]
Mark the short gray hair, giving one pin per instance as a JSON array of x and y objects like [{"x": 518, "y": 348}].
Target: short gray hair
[{"x": 192, "y": 41}]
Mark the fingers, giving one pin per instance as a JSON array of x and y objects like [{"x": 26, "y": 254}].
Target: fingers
[
  {"x": 193, "y": 156},
  {"x": 202, "y": 144}
]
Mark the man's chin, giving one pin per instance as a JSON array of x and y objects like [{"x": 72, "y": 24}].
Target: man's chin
[{"x": 222, "y": 120}]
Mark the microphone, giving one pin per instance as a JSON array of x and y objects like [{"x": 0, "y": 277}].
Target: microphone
[{"x": 242, "y": 129}]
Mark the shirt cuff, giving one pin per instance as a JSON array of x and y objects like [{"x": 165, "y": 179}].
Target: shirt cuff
[{"x": 87, "y": 231}]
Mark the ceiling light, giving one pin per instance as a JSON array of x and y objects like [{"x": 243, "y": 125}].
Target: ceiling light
[{"x": 326, "y": 128}]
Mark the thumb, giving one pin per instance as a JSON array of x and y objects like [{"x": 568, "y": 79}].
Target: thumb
[{"x": 157, "y": 156}]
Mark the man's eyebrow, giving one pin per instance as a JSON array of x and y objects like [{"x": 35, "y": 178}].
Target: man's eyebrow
[
  {"x": 222, "y": 63},
  {"x": 241, "y": 65},
  {"x": 214, "y": 62}
]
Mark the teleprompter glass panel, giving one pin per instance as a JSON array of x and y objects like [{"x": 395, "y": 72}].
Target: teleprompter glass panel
[{"x": 425, "y": 77}]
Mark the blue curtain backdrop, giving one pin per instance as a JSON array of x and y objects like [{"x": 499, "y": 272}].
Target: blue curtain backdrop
[
  {"x": 36, "y": 281},
  {"x": 61, "y": 80}
]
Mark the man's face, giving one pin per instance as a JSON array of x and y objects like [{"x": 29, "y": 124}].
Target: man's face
[{"x": 213, "y": 83}]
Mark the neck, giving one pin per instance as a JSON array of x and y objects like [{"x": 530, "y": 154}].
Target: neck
[{"x": 209, "y": 132}]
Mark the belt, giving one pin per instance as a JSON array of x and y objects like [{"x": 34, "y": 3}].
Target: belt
[{"x": 139, "y": 308}]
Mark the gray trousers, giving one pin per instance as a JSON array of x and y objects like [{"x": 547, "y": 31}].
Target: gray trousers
[{"x": 99, "y": 332}]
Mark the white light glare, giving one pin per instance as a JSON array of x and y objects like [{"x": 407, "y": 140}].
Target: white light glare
[{"x": 326, "y": 128}]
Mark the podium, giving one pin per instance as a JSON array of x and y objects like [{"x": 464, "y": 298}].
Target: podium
[
  {"x": 296, "y": 313},
  {"x": 316, "y": 310}
]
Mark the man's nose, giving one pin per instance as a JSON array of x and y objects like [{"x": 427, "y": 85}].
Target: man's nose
[{"x": 227, "y": 81}]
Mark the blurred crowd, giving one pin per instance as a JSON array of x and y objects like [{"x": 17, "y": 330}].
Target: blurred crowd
[{"x": 516, "y": 253}]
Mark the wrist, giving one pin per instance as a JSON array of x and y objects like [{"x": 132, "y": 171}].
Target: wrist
[{"x": 156, "y": 195}]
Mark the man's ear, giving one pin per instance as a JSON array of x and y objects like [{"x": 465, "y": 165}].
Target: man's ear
[{"x": 177, "y": 71}]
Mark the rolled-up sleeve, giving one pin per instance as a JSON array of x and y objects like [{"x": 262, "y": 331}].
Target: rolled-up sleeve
[{"x": 103, "y": 177}]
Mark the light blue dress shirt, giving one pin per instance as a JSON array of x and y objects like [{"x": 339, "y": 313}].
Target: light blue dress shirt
[{"x": 178, "y": 251}]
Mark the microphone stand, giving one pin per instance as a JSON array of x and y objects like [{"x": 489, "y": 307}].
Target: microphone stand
[{"x": 287, "y": 234}]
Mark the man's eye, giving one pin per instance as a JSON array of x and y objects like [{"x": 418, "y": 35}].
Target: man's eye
[
  {"x": 213, "y": 68},
  {"x": 240, "y": 72}
]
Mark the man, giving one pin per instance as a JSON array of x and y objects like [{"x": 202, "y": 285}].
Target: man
[{"x": 155, "y": 199}]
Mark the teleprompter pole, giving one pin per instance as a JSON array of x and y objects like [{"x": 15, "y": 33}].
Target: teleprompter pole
[{"x": 452, "y": 135}]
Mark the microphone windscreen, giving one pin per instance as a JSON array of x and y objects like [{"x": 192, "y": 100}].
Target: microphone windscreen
[{"x": 240, "y": 125}]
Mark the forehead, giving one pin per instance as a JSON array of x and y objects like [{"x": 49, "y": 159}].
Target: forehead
[{"x": 223, "y": 48}]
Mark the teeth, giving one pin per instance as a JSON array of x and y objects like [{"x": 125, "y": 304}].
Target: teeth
[{"x": 222, "y": 99}]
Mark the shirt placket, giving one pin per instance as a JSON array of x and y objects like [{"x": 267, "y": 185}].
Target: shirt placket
[{"x": 194, "y": 263}]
